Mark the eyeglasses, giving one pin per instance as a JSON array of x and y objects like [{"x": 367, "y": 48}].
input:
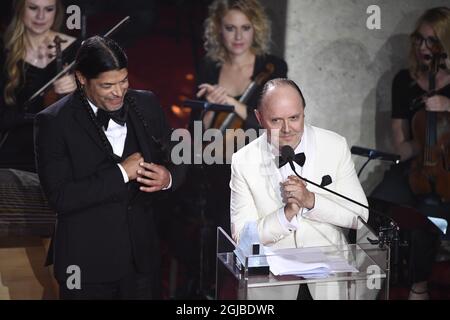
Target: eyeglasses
[{"x": 430, "y": 42}]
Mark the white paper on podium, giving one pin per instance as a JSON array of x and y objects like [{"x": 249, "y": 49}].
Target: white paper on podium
[{"x": 307, "y": 262}]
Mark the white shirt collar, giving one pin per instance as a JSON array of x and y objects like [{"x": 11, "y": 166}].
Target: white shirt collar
[
  {"x": 302, "y": 145},
  {"x": 94, "y": 108}
]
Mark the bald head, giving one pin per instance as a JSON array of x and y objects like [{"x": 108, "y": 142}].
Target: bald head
[{"x": 279, "y": 82}]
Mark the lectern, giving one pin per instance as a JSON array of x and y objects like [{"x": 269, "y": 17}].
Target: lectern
[{"x": 245, "y": 277}]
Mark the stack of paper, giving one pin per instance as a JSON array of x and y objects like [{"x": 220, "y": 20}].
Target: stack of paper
[{"x": 307, "y": 262}]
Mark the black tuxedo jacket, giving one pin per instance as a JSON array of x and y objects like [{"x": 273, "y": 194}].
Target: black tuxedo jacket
[{"x": 100, "y": 228}]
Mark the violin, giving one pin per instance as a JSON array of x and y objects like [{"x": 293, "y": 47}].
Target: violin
[
  {"x": 225, "y": 120},
  {"x": 430, "y": 170},
  {"x": 51, "y": 96}
]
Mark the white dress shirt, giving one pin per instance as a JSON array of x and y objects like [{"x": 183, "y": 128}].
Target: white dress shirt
[
  {"x": 116, "y": 135},
  {"x": 285, "y": 172}
]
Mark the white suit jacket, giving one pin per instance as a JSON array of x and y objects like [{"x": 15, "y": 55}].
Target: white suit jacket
[{"x": 256, "y": 196}]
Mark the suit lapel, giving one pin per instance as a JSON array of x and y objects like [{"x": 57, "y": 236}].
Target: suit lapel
[
  {"x": 142, "y": 136},
  {"x": 310, "y": 152},
  {"x": 269, "y": 170},
  {"x": 312, "y": 157},
  {"x": 82, "y": 117}
]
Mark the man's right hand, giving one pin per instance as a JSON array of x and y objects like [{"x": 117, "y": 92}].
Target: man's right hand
[{"x": 131, "y": 165}]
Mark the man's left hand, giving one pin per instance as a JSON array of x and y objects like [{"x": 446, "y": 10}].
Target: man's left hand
[
  {"x": 153, "y": 177},
  {"x": 294, "y": 187}
]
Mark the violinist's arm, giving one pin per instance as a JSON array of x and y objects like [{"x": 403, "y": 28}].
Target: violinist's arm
[
  {"x": 239, "y": 107},
  {"x": 404, "y": 145},
  {"x": 437, "y": 103},
  {"x": 218, "y": 94},
  {"x": 65, "y": 84}
]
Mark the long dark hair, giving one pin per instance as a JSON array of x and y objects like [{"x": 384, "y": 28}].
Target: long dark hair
[{"x": 97, "y": 55}]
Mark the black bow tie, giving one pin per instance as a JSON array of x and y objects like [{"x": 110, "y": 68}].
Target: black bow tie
[
  {"x": 299, "y": 158},
  {"x": 118, "y": 116}
]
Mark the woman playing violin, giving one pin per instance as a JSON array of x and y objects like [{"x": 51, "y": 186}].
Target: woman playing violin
[
  {"x": 412, "y": 91},
  {"x": 27, "y": 65},
  {"x": 411, "y": 86},
  {"x": 237, "y": 37}
]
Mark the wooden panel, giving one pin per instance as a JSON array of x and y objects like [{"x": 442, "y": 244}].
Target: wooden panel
[{"x": 22, "y": 271}]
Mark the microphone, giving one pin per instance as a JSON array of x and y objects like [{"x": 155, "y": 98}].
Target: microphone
[
  {"x": 375, "y": 154},
  {"x": 287, "y": 153},
  {"x": 206, "y": 106},
  {"x": 440, "y": 56}
]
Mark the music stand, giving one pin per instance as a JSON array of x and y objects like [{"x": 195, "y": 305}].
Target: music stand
[{"x": 204, "y": 106}]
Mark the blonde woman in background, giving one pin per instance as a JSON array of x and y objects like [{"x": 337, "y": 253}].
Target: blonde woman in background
[
  {"x": 237, "y": 39},
  {"x": 28, "y": 63},
  {"x": 410, "y": 93}
]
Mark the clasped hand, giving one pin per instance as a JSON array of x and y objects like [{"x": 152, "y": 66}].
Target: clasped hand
[
  {"x": 296, "y": 196},
  {"x": 153, "y": 177}
]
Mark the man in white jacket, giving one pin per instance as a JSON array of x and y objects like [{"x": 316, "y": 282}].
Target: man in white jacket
[{"x": 288, "y": 212}]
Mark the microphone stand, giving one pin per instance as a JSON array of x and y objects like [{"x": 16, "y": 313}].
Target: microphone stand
[
  {"x": 363, "y": 166},
  {"x": 205, "y": 228},
  {"x": 372, "y": 154},
  {"x": 386, "y": 235}
]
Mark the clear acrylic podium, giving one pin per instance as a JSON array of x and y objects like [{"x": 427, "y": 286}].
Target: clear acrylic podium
[{"x": 237, "y": 280}]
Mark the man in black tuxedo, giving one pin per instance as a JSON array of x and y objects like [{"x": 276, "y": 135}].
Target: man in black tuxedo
[{"x": 103, "y": 157}]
